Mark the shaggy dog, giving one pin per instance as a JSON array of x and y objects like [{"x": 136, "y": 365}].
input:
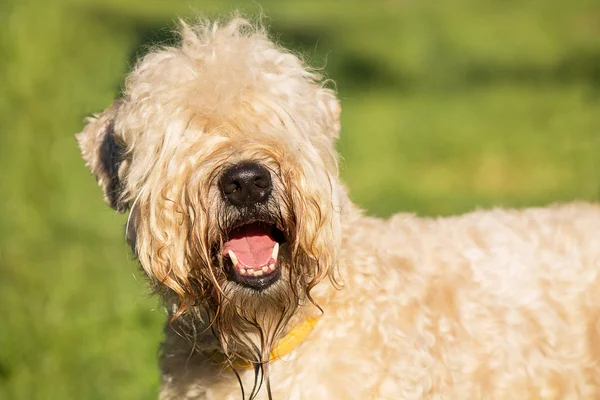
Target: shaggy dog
[{"x": 277, "y": 286}]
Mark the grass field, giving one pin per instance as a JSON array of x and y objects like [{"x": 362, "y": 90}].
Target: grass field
[{"x": 447, "y": 106}]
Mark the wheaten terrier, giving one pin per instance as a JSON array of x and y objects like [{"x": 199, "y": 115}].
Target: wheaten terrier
[{"x": 277, "y": 286}]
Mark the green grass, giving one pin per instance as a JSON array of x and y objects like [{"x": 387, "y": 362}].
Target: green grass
[{"x": 447, "y": 106}]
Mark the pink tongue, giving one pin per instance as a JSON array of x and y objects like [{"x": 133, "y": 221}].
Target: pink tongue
[{"x": 252, "y": 244}]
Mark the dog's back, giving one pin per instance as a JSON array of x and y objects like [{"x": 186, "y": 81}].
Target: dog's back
[{"x": 494, "y": 304}]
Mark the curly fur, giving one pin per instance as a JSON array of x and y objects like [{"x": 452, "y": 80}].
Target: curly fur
[{"x": 496, "y": 304}]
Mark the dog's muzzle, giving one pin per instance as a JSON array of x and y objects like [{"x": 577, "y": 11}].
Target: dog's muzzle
[{"x": 253, "y": 242}]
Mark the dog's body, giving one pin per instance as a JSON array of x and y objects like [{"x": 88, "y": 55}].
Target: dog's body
[
  {"x": 496, "y": 305},
  {"x": 223, "y": 150}
]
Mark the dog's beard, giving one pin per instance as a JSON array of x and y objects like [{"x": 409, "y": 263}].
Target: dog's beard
[{"x": 247, "y": 322}]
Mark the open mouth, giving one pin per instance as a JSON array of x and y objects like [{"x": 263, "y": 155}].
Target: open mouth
[{"x": 253, "y": 250}]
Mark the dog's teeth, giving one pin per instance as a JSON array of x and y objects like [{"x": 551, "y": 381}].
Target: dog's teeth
[
  {"x": 265, "y": 269},
  {"x": 233, "y": 257},
  {"x": 271, "y": 267},
  {"x": 275, "y": 251},
  {"x": 258, "y": 273},
  {"x": 242, "y": 271}
]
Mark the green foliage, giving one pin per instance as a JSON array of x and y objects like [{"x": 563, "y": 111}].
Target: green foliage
[{"x": 447, "y": 106}]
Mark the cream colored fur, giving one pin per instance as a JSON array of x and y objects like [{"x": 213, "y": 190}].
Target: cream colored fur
[{"x": 499, "y": 304}]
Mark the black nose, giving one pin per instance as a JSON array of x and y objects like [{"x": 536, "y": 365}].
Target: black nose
[{"x": 246, "y": 184}]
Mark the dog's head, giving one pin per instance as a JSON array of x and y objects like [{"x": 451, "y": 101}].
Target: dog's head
[{"x": 222, "y": 148}]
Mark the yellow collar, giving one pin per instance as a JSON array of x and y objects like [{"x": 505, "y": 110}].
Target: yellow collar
[{"x": 285, "y": 345}]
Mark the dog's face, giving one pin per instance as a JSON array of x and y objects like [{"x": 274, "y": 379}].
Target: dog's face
[{"x": 223, "y": 151}]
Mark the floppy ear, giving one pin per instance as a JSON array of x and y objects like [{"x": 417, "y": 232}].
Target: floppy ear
[
  {"x": 330, "y": 106},
  {"x": 103, "y": 155}
]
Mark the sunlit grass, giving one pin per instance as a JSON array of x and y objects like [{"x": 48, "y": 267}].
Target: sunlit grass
[{"x": 447, "y": 153}]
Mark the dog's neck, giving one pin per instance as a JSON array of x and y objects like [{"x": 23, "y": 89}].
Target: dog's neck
[{"x": 285, "y": 345}]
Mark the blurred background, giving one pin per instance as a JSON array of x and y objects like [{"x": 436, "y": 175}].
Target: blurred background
[{"x": 447, "y": 106}]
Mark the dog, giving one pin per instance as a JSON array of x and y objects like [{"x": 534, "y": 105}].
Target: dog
[{"x": 222, "y": 150}]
